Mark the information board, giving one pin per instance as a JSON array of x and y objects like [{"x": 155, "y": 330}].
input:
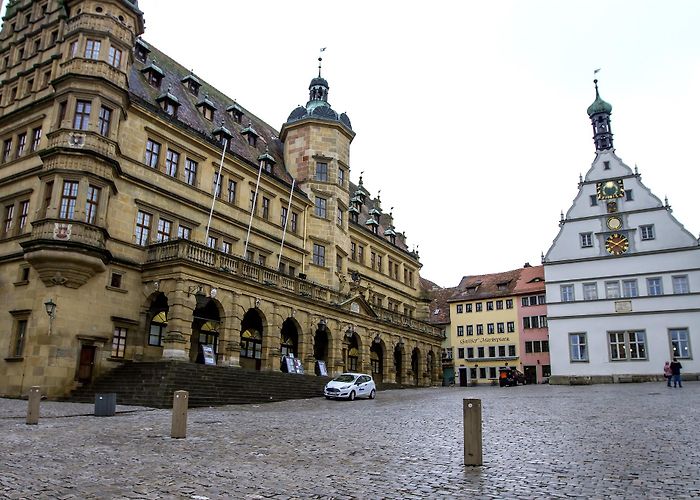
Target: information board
[
  {"x": 208, "y": 352},
  {"x": 289, "y": 363},
  {"x": 322, "y": 368},
  {"x": 298, "y": 367}
]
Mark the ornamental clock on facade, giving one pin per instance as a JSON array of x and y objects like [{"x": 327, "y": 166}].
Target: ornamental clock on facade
[
  {"x": 614, "y": 223},
  {"x": 616, "y": 244},
  {"x": 610, "y": 189}
]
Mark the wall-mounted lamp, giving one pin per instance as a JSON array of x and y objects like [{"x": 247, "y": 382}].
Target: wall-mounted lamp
[
  {"x": 322, "y": 325},
  {"x": 377, "y": 339},
  {"x": 50, "y": 306},
  {"x": 349, "y": 331},
  {"x": 201, "y": 299},
  {"x": 400, "y": 343}
]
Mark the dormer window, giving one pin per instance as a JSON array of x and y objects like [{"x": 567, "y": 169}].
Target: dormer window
[
  {"x": 192, "y": 83},
  {"x": 353, "y": 213},
  {"x": 222, "y": 134},
  {"x": 236, "y": 112},
  {"x": 207, "y": 108},
  {"x": 471, "y": 289},
  {"x": 154, "y": 75},
  {"x": 168, "y": 102},
  {"x": 391, "y": 234},
  {"x": 266, "y": 161},
  {"x": 250, "y": 134},
  {"x": 141, "y": 50},
  {"x": 373, "y": 225}
]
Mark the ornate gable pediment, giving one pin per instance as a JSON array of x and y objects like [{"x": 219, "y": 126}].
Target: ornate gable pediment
[{"x": 358, "y": 305}]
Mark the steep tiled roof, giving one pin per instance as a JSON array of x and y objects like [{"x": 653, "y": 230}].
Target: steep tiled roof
[
  {"x": 439, "y": 308},
  {"x": 531, "y": 280},
  {"x": 486, "y": 286},
  {"x": 190, "y": 117}
]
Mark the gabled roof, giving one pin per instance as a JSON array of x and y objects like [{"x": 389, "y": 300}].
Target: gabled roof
[
  {"x": 486, "y": 286},
  {"x": 531, "y": 280}
]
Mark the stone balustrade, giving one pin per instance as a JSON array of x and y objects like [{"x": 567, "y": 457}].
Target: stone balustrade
[
  {"x": 68, "y": 230},
  {"x": 92, "y": 67},
  {"x": 104, "y": 23},
  {"x": 82, "y": 139},
  {"x": 228, "y": 264}
]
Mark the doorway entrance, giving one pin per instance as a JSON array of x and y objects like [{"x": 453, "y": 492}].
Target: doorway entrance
[
  {"x": 87, "y": 361},
  {"x": 530, "y": 373}
]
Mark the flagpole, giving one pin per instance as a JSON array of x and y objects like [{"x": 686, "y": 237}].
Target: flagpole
[
  {"x": 252, "y": 210},
  {"x": 286, "y": 221},
  {"x": 217, "y": 187}
]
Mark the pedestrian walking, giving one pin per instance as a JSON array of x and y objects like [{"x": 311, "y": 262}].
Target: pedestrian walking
[
  {"x": 667, "y": 373},
  {"x": 676, "y": 372}
]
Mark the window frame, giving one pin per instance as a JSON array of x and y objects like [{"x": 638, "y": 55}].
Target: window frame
[
  {"x": 581, "y": 346},
  {"x": 677, "y": 353},
  {"x": 319, "y": 255}
]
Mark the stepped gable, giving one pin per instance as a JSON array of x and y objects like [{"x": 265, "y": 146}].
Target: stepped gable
[
  {"x": 486, "y": 286},
  {"x": 531, "y": 280},
  {"x": 189, "y": 117}
]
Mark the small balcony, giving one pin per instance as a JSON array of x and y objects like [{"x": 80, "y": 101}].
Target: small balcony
[
  {"x": 82, "y": 140},
  {"x": 66, "y": 252},
  {"x": 104, "y": 23},
  {"x": 92, "y": 67}
]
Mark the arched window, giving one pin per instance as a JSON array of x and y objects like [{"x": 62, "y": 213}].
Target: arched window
[
  {"x": 159, "y": 324},
  {"x": 353, "y": 357},
  {"x": 251, "y": 344}
]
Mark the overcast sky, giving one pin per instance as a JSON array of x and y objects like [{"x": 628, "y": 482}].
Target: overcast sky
[{"x": 470, "y": 116}]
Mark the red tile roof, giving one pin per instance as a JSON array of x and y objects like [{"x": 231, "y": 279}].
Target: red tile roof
[{"x": 531, "y": 280}]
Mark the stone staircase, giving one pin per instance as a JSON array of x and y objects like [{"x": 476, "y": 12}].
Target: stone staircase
[{"x": 152, "y": 384}]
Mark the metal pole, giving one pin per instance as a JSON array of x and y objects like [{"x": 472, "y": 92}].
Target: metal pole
[
  {"x": 286, "y": 220},
  {"x": 252, "y": 211},
  {"x": 473, "y": 453},
  {"x": 217, "y": 186}
]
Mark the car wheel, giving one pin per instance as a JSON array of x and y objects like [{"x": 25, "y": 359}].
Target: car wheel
[
  {"x": 373, "y": 394},
  {"x": 351, "y": 396}
]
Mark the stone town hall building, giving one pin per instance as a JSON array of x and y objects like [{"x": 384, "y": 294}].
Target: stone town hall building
[{"x": 111, "y": 153}]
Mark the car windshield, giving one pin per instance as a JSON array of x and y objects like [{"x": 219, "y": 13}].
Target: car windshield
[{"x": 344, "y": 378}]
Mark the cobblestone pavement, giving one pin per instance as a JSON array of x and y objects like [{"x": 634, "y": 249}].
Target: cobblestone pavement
[{"x": 623, "y": 441}]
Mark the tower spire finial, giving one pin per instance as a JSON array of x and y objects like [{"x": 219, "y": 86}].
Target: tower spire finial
[{"x": 321, "y": 51}]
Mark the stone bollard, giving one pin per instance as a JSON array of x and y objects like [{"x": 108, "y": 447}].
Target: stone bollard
[
  {"x": 472, "y": 432},
  {"x": 179, "y": 425},
  {"x": 33, "y": 406}
]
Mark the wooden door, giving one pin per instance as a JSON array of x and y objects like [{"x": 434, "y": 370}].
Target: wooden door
[{"x": 87, "y": 361}]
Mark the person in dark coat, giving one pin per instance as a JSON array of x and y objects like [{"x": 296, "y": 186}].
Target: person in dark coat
[{"x": 676, "y": 372}]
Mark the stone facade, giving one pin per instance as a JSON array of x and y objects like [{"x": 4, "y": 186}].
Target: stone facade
[{"x": 111, "y": 155}]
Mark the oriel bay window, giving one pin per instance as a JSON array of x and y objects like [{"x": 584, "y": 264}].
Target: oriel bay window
[
  {"x": 104, "y": 120},
  {"x": 82, "y": 115},
  {"x": 69, "y": 196},
  {"x": 91, "y": 203}
]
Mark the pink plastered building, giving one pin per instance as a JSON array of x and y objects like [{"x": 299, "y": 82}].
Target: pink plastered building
[{"x": 532, "y": 316}]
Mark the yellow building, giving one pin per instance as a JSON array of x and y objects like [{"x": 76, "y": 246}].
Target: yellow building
[
  {"x": 120, "y": 219},
  {"x": 484, "y": 329}
]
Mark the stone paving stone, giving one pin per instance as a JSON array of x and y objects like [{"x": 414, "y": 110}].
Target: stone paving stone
[{"x": 625, "y": 441}]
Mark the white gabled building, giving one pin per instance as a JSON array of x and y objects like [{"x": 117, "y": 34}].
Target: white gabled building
[{"x": 622, "y": 277}]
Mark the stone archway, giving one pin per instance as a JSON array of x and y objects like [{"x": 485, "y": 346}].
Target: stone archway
[
  {"x": 206, "y": 321},
  {"x": 352, "y": 354},
  {"x": 398, "y": 363},
  {"x": 322, "y": 344},
  {"x": 376, "y": 360},
  {"x": 415, "y": 366},
  {"x": 430, "y": 367},
  {"x": 157, "y": 320},
  {"x": 289, "y": 340},
  {"x": 251, "y": 340}
]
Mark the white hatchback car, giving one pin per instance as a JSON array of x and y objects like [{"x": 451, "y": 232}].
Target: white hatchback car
[{"x": 350, "y": 386}]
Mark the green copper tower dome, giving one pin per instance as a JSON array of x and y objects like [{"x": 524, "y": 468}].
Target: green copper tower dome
[
  {"x": 599, "y": 113},
  {"x": 599, "y": 105}
]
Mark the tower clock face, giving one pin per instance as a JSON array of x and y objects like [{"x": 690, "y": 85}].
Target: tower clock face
[
  {"x": 610, "y": 189},
  {"x": 614, "y": 223},
  {"x": 617, "y": 244}
]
